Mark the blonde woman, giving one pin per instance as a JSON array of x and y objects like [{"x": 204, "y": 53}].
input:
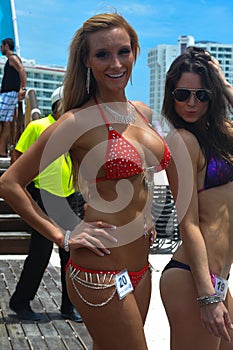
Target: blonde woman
[{"x": 115, "y": 152}]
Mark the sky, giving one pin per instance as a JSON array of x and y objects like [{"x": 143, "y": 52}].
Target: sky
[{"x": 46, "y": 28}]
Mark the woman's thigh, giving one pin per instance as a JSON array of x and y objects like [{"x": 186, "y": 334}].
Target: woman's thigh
[
  {"x": 142, "y": 295},
  {"x": 119, "y": 323},
  {"x": 179, "y": 295}
]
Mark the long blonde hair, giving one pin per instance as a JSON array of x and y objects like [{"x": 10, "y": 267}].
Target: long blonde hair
[{"x": 75, "y": 94}]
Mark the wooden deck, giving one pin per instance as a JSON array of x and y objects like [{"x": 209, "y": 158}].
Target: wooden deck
[{"x": 52, "y": 331}]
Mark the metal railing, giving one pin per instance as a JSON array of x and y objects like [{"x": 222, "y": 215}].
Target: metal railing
[
  {"x": 165, "y": 216},
  {"x": 21, "y": 118}
]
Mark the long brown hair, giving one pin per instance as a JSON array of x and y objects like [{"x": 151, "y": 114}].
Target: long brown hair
[{"x": 214, "y": 131}]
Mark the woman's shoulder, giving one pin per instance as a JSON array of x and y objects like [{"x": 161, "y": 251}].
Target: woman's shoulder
[
  {"x": 82, "y": 119},
  {"x": 144, "y": 109},
  {"x": 180, "y": 140},
  {"x": 186, "y": 135},
  {"x": 77, "y": 113}
]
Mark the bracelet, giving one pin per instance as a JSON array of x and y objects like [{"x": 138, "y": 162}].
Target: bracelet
[
  {"x": 35, "y": 110},
  {"x": 12, "y": 147},
  {"x": 66, "y": 240},
  {"x": 209, "y": 299}
]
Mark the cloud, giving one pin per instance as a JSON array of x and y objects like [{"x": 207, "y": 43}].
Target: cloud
[{"x": 135, "y": 8}]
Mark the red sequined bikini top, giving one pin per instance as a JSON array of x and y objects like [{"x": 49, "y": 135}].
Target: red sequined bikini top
[{"x": 122, "y": 158}]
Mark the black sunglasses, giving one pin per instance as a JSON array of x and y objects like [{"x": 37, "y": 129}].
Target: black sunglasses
[{"x": 182, "y": 95}]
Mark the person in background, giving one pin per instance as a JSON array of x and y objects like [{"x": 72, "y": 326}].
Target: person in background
[
  {"x": 40, "y": 247},
  {"x": 198, "y": 101},
  {"x": 114, "y": 151},
  {"x": 13, "y": 88}
]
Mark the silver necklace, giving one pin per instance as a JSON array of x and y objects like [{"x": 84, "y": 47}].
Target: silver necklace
[{"x": 122, "y": 118}]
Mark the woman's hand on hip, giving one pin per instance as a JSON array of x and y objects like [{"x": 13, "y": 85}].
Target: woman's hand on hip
[{"x": 95, "y": 236}]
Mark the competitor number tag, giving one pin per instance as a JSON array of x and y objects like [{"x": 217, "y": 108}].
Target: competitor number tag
[
  {"x": 221, "y": 287},
  {"x": 123, "y": 284}
]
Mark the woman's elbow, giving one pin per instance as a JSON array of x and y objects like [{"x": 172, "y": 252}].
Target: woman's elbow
[{"x": 6, "y": 186}]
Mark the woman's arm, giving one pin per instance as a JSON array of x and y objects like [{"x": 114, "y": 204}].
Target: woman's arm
[
  {"x": 53, "y": 142},
  {"x": 182, "y": 176},
  {"x": 227, "y": 86}
]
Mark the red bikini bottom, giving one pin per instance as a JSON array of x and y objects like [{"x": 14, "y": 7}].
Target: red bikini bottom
[{"x": 135, "y": 276}]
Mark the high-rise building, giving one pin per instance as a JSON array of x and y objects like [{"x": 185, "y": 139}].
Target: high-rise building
[
  {"x": 43, "y": 79},
  {"x": 161, "y": 57}
]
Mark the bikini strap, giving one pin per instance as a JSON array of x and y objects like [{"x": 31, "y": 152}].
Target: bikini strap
[
  {"x": 103, "y": 114},
  {"x": 145, "y": 119}
]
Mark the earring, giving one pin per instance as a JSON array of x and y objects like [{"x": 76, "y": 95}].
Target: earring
[{"x": 88, "y": 80}]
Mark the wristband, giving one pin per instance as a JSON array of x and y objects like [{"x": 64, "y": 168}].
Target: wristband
[
  {"x": 209, "y": 299},
  {"x": 66, "y": 240},
  {"x": 12, "y": 147},
  {"x": 35, "y": 110}
]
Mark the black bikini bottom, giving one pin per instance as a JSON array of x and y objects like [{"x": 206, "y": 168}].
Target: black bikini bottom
[
  {"x": 176, "y": 264},
  {"x": 179, "y": 265}
]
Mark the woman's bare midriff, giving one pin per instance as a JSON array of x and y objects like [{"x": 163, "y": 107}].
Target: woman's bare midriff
[
  {"x": 132, "y": 247},
  {"x": 216, "y": 224},
  {"x": 132, "y": 256}
]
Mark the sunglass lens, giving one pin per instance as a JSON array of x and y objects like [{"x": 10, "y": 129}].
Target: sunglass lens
[
  {"x": 181, "y": 94},
  {"x": 202, "y": 95}
]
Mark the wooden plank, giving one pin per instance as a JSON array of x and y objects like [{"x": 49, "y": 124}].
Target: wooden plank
[
  {"x": 74, "y": 343},
  {"x": 51, "y": 336},
  {"x": 34, "y": 336},
  {"x": 14, "y": 237},
  {"x": 37, "y": 343},
  {"x": 50, "y": 304},
  {"x": 12, "y": 222},
  {"x": 11, "y": 270},
  {"x": 15, "y": 234},
  {"x": 52, "y": 332},
  {"x": 80, "y": 331},
  {"x": 4, "y": 207},
  {"x": 52, "y": 281},
  {"x": 4, "y": 339},
  {"x": 14, "y": 245},
  {"x": 5, "y": 162},
  {"x": 54, "y": 343},
  {"x": 17, "y": 337}
]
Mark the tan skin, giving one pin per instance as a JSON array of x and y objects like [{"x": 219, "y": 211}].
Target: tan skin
[
  {"x": 119, "y": 324},
  {"x": 206, "y": 229},
  {"x": 15, "y": 62}
]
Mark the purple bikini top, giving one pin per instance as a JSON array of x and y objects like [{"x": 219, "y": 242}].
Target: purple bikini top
[{"x": 218, "y": 172}]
